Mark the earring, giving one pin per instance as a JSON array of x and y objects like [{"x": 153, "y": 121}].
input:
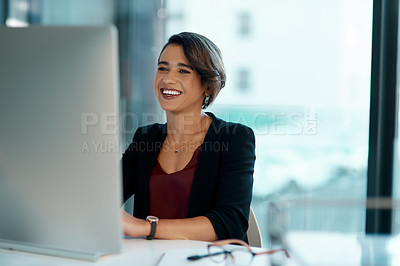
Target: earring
[{"x": 207, "y": 100}]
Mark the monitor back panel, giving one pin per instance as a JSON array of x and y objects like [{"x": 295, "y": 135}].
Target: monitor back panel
[{"x": 60, "y": 182}]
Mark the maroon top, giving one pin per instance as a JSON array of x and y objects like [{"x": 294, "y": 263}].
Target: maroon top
[{"x": 170, "y": 193}]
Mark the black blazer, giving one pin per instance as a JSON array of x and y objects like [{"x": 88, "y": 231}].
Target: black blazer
[{"x": 223, "y": 180}]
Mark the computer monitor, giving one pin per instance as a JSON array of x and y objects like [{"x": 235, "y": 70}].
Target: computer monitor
[{"x": 60, "y": 187}]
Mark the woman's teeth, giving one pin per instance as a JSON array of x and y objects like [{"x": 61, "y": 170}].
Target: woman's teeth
[{"x": 171, "y": 92}]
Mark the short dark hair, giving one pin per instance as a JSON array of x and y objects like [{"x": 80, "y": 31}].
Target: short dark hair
[{"x": 205, "y": 57}]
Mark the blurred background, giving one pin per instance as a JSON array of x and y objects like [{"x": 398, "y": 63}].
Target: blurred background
[{"x": 298, "y": 73}]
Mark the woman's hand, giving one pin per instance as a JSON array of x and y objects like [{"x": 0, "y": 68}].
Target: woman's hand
[{"x": 133, "y": 226}]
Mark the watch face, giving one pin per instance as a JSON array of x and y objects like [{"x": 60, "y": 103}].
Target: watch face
[{"x": 152, "y": 219}]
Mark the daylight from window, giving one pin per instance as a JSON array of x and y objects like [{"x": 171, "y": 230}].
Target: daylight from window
[{"x": 298, "y": 73}]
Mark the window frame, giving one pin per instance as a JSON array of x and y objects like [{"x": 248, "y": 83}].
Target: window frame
[{"x": 382, "y": 113}]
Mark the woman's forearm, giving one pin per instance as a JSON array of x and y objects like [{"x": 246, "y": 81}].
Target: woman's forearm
[{"x": 197, "y": 228}]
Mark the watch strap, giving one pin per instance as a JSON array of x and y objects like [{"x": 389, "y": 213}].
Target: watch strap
[{"x": 152, "y": 230}]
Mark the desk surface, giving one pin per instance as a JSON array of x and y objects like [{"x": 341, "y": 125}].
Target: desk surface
[
  {"x": 137, "y": 251},
  {"x": 306, "y": 248}
]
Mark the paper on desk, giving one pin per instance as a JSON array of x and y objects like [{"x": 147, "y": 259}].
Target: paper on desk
[{"x": 178, "y": 257}]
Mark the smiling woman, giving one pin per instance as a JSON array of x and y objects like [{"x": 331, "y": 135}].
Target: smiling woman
[
  {"x": 177, "y": 85},
  {"x": 200, "y": 57},
  {"x": 192, "y": 188}
]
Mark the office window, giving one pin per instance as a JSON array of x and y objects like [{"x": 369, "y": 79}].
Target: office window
[
  {"x": 310, "y": 64},
  {"x": 244, "y": 24},
  {"x": 243, "y": 79},
  {"x": 18, "y": 12}
]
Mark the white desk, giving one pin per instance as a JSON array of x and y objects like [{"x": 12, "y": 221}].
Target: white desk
[
  {"x": 306, "y": 248},
  {"x": 137, "y": 251},
  {"x": 338, "y": 249}
]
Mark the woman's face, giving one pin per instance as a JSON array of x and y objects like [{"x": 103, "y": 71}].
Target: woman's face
[{"x": 177, "y": 85}]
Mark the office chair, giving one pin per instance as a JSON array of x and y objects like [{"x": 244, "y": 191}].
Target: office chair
[{"x": 253, "y": 232}]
